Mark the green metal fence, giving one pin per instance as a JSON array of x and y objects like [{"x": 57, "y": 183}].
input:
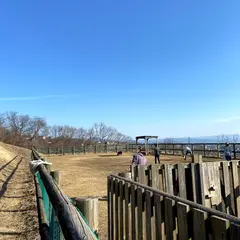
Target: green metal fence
[{"x": 55, "y": 231}]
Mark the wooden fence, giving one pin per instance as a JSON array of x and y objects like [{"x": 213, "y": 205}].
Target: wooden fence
[
  {"x": 206, "y": 150},
  {"x": 137, "y": 211},
  {"x": 212, "y": 184}
]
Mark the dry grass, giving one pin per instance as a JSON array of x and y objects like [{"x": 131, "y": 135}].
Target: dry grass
[{"x": 86, "y": 175}]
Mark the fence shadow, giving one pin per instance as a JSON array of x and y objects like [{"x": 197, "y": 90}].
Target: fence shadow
[{"x": 5, "y": 184}]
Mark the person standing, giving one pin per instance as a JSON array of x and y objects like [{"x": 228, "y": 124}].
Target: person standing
[
  {"x": 157, "y": 152},
  {"x": 227, "y": 152}
]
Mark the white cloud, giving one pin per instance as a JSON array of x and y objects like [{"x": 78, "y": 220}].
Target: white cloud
[
  {"x": 5, "y": 99},
  {"x": 228, "y": 119}
]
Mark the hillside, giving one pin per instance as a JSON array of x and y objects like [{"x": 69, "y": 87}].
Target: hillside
[{"x": 18, "y": 211}]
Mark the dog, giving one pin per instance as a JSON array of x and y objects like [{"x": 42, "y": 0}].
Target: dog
[{"x": 119, "y": 153}]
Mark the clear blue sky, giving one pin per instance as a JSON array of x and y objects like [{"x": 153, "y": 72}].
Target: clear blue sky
[{"x": 170, "y": 68}]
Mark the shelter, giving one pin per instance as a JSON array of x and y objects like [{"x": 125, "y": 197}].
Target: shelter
[{"x": 146, "y": 138}]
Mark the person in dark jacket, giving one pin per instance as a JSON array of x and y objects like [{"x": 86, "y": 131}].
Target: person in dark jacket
[
  {"x": 227, "y": 152},
  {"x": 157, "y": 152}
]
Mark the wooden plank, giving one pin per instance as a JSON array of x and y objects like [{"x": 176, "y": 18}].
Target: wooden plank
[
  {"x": 111, "y": 208},
  {"x": 199, "y": 225},
  {"x": 232, "y": 191},
  {"x": 236, "y": 187},
  {"x": 157, "y": 216},
  {"x": 182, "y": 220},
  {"x": 142, "y": 174},
  {"x": 169, "y": 219},
  {"x": 227, "y": 191},
  {"x": 201, "y": 182},
  {"x": 196, "y": 187},
  {"x": 234, "y": 231},
  {"x": 168, "y": 178},
  {"x": 140, "y": 213},
  {"x": 127, "y": 217},
  {"x": 133, "y": 216},
  {"x": 182, "y": 180},
  {"x": 223, "y": 209},
  {"x": 155, "y": 182},
  {"x": 149, "y": 207},
  {"x": 219, "y": 227},
  {"x": 116, "y": 235},
  {"x": 121, "y": 233}
]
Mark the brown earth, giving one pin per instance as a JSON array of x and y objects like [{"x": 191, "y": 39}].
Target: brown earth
[
  {"x": 18, "y": 211},
  {"x": 86, "y": 175}
]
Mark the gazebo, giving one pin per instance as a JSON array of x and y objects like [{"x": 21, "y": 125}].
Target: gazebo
[{"x": 146, "y": 138}]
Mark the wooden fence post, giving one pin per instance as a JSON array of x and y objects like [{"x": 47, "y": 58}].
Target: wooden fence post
[
  {"x": 196, "y": 158},
  {"x": 234, "y": 151},
  {"x": 218, "y": 149},
  {"x": 56, "y": 176},
  {"x": 89, "y": 208},
  {"x": 49, "y": 151},
  {"x": 204, "y": 150},
  {"x": 62, "y": 150}
]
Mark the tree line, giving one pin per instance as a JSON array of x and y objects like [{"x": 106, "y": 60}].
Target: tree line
[{"x": 25, "y": 131}]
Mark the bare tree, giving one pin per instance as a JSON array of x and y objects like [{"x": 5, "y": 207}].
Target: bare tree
[
  {"x": 235, "y": 138},
  {"x": 37, "y": 126},
  {"x": 18, "y": 126}
]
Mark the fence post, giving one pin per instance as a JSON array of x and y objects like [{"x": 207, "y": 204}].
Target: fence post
[
  {"x": 218, "y": 149},
  {"x": 56, "y": 176},
  {"x": 84, "y": 149},
  {"x": 173, "y": 148},
  {"x": 49, "y": 151},
  {"x": 62, "y": 150},
  {"x": 165, "y": 149},
  {"x": 89, "y": 208},
  {"x": 234, "y": 151},
  {"x": 95, "y": 148}
]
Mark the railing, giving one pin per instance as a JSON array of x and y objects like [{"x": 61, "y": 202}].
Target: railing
[
  {"x": 205, "y": 149},
  {"x": 58, "y": 217},
  {"x": 137, "y": 211}
]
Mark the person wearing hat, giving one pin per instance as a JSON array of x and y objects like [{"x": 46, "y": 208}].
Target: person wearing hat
[{"x": 227, "y": 152}]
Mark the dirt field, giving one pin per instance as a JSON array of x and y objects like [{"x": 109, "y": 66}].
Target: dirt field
[
  {"x": 18, "y": 211},
  {"x": 86, "y": 175}
]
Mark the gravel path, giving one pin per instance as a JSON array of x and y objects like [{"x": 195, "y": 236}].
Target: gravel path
[{"x": 18, "y": 211}]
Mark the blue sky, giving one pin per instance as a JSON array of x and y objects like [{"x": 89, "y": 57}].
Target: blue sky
[{"x": 168, "y": 68}]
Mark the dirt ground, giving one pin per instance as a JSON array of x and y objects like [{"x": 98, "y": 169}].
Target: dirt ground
[
  {"x": 18, "y": 211},
  {"x": 86, "y": 175}
]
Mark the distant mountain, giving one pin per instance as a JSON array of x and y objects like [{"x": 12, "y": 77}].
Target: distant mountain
[{"x": 204, "y": 139}]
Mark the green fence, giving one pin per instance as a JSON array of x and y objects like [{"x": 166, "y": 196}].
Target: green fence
[{"x": 54, "y": 227}]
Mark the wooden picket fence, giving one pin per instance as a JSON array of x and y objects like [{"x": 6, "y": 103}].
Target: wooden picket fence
[
  {"x": 211, "y": 184},
  {"x": 137, "y": 211}
]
